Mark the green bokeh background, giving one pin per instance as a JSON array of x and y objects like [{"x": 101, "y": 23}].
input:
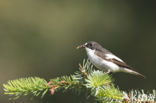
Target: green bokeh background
[{"x": 38, "y": 38}]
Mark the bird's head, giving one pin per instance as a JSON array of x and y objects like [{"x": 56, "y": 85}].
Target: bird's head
[{"x": 90, "y": 45}]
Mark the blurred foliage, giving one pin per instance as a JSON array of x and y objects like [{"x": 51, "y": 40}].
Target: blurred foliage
[{"x": 38, "y": 38}]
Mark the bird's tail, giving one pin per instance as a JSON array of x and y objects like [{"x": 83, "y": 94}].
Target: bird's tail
[{"x": 133, "y": 72}]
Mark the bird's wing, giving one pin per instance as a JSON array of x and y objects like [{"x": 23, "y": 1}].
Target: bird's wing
[
  {"x": 119, "y": 63},
  {"x": 113, "y": 58}
]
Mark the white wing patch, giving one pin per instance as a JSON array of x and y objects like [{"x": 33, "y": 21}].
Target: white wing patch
[{"x": 111, "y": 56}]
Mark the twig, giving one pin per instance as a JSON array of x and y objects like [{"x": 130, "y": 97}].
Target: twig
[{"x": 83, "y": 71}]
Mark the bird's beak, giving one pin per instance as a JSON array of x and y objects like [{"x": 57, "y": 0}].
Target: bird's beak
[{"x": 80, "y": 46}]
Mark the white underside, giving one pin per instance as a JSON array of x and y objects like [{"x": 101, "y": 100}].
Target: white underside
[{"x": 101, "y": 63}]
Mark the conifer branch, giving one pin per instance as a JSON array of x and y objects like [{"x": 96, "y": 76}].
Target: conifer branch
[
  {"x": 24, "y": 86},
  {"x": 99, "y": 84}
]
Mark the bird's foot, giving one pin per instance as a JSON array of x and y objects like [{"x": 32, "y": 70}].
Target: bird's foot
[{"x": 108, "y": 72}]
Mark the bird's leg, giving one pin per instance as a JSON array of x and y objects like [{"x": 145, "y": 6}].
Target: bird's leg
[{"x": 108, "y": 71}]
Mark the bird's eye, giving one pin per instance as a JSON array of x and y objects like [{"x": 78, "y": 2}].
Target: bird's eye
[{"x": 89, "y": 45}]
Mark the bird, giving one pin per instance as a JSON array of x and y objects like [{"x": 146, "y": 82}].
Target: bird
[{"x": 105, "y": 60}]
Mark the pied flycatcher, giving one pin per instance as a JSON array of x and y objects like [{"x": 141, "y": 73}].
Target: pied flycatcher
[{"x": 104, "y": 60}]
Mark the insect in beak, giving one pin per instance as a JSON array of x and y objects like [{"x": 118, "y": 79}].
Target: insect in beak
[{"x": 80, "y": 46}]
